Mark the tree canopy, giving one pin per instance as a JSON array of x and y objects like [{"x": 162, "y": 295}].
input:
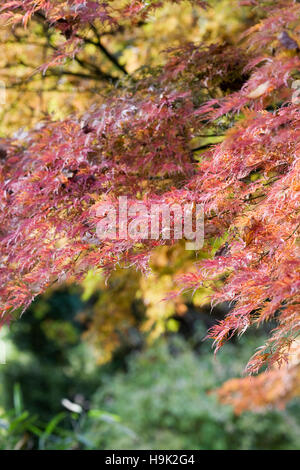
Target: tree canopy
[{"x": 211, "y": 123}]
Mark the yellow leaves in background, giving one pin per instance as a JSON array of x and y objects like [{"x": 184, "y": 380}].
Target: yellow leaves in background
[
  {"x": 130, "y": 301},
  {"x": 220, "y": 24},
  {"x": 154, "y": 289},
  {"x": 113, "y": 310},
  {"x": 93, "y": 281}
]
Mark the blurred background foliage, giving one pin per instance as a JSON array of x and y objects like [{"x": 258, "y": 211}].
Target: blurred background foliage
[
  {"x": 105, "y": 58},
  {"x": 109, "y": 364},
  {"x": 162, "y": 395}
]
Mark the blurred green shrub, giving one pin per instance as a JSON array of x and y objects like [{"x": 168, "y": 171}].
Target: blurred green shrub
[{"x": 163, "y": 399}]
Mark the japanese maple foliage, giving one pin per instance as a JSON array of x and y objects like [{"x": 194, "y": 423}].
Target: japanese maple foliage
[{"x": 139, "y": 143}]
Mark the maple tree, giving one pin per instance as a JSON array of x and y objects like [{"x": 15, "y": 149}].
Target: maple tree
[{"x": 147, "y": 137}]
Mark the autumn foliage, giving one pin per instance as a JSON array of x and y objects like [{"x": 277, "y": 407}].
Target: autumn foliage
[{"x": 147, "y": 138}]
